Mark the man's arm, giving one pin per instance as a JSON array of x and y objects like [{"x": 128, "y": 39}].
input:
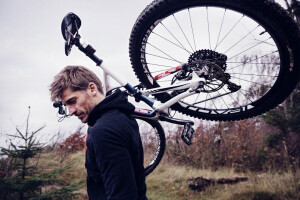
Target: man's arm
[{"x": 114, "y": 161}]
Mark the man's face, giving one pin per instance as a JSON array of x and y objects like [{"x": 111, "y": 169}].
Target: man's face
[{"x": 80, "y": 103}]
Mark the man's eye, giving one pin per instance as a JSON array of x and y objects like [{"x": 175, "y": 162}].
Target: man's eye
[{"x": 71, "y": 101}]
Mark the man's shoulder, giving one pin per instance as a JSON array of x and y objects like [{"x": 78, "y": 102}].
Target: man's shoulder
[
  {"x": 118, "y": 130},
  {"x": 114, "y": 116},
  {"x": 113, "y": 120}
]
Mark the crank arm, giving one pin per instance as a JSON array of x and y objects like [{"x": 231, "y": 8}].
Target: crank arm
[{"x": 175, "y": 120}]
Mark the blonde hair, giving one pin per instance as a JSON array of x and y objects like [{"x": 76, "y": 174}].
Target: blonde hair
[{"x": 73, "y": 77}]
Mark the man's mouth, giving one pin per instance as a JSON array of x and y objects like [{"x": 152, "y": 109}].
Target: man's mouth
[{"x": 81, "y": 116}]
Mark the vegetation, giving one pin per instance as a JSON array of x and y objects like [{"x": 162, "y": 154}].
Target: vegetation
[
  {"x": 21, "y": 178},
  {"x": 248, "y": 145},
  {"x": 169, "y": 181}
]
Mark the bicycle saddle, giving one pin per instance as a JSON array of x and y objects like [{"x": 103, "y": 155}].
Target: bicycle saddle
[{"x": 69, "y": 28}]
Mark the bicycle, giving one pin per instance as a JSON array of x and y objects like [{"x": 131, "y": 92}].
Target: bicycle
[{"x": 250, "y": 67}]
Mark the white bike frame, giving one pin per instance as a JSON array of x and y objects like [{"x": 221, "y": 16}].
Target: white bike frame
[{"x": 193, "y": 86}]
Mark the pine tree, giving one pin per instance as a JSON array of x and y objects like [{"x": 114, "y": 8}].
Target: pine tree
[{"x": 22, "y": 180}]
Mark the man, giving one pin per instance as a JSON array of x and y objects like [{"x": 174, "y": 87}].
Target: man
[{"x": 114, "y": 155}]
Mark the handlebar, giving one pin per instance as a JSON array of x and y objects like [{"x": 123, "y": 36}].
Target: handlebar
[{"x": 59, "y": 105}]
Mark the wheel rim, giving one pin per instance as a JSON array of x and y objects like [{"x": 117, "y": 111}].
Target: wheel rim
[
  {"x": 151, "y": 145},
  {"x": 253, "y": 59}
]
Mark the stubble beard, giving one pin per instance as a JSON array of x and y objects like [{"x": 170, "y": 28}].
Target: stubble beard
[{"x": 90, "y": 107}]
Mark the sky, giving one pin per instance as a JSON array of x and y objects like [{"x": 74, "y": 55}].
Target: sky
[{"x": 32, "y": 53}]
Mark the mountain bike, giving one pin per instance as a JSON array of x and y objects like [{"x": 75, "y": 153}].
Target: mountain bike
[{"x": 210, "y": 59}]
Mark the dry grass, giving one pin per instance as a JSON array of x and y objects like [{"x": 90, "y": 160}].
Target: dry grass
[
  {"x": 73, "y": 174},
  {"x": 169, "y": 182}
]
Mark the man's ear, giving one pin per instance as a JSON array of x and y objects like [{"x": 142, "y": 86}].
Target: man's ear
[{"x": 93, "y": 88}]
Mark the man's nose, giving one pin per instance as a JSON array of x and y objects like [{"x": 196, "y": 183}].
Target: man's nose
[{"x": 72, "y": 110}]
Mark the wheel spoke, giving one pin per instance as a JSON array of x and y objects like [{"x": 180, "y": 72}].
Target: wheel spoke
[
  {"x": 256, "y": 75},
  {"x": 197, "y": 98},
  {"x": 230, "y": 31},
  {"x": 273, "y": 45},
  {"x": 172, "y": 42},
  {"x": 232, "y": 98},
  {"x": 205, "y": 101},
  {"x": 192, "y": 29},
  {"x": 223, "y": 100},
  {"x": 183, "y": 33},
  {"x": 250, "y": 81},
  {"x": 212, "y": 100},
  {"x": 256, "y": 63},
  {"x": 241, "y": 39},
  {"x": 248, "y": 49},
  {"x": 208, "y": 30},
  {"x": 241, "y": 91},
  {"x": 220, "y": 29},
  {"x": 252, "y": 60},
  {"x": 159, "y": 71},
  {"x": 163, "y": 57},
  {"x": 163, "y": 52},
  {"x": 175, "y": 37},
  {"x": 159, "y": 65}
]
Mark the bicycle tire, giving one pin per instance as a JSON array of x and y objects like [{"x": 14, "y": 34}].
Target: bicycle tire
[
  {"x": 154, "y": 143},
  {"x": 272, "y": 21}
]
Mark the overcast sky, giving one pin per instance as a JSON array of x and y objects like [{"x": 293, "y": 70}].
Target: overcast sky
[{"x": 32, "y": 52}]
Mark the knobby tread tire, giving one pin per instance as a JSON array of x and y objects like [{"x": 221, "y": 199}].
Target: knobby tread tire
[{"x": 266, "y": 12}]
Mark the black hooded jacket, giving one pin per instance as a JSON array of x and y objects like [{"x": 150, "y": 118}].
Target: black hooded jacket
[{"x": 114, "y": 154}]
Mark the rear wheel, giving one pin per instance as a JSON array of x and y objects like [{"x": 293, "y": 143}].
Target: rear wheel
[
  {"x": 154, "y": 142},
  {"x": 249, "y": 51}
]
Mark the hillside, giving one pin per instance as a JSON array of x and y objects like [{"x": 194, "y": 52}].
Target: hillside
[{"x": 169, "y": 182}]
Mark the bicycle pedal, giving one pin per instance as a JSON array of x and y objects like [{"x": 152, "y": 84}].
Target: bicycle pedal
[{"x": 187, "y": 134}]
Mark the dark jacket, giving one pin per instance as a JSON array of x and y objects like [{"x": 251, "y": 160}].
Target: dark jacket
[{"x": 114, "y": 155}]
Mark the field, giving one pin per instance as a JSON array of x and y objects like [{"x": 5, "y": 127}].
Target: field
[{"x": 169, "y": 181}]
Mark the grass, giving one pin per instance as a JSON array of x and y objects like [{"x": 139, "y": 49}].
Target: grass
[
  {"x": 169, "y": 182},
  {"x": 75, "y": 173}
]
